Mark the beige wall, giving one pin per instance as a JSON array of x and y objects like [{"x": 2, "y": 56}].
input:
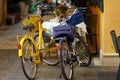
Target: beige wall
[
  {"x": 112, "y": 21},
  {"x": 107, "y": 21},
  {"x": 1, "y": 12}
]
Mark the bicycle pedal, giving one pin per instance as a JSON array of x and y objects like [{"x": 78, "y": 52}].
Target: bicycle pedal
[
  {"x": 37, "y": 61},
  {"x": 74, "y": 58}
]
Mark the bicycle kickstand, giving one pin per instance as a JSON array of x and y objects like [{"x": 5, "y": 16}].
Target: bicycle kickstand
[{"x": 60, "y": 75}]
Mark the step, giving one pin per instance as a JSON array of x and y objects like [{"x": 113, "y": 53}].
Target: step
[
  {"x": 110, "y": 59},
  {"x": 96, "y": 61},
  {"x": 107, "y": 59}
]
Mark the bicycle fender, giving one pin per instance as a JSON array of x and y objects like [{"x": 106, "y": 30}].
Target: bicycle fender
[{"x": 21, "y": 43}]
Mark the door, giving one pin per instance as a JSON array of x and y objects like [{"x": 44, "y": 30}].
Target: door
[{"x": 1, "y": 12}]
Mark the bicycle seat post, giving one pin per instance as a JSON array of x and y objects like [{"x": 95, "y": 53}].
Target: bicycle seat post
[{"x": 38, "y": 10}]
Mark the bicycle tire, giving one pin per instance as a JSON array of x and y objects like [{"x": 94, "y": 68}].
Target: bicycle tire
[
  {"x": 83, "y": 51},
  {"x": 50, "y": 58},
  {"x": 66, "y": 60},
  {"x": 28, "y": 66}
]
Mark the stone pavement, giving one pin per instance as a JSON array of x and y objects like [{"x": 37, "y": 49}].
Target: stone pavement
[
  {"x": 10, "y": 69},
  {"x": 8, "y": 35}
]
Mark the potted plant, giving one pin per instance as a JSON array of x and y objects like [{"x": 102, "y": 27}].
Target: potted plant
[{"x": 60, "y": 10}]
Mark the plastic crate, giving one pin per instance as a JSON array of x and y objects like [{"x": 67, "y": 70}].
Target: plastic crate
[{"x": 63, "y": 31}]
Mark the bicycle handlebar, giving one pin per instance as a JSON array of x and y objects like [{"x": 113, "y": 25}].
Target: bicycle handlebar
[{"x": 39, "y": 7}]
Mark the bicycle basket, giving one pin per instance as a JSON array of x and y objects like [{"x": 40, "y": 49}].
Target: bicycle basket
[
  {"x": 32, "y": 20},
  {"x": 63, "y": 31}
]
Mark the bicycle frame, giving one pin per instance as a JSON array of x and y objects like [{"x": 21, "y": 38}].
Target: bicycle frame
[{"x": 39, "y": 46}]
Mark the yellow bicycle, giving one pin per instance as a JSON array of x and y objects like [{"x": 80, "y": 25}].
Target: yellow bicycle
[{"x": 32, "y": 45}]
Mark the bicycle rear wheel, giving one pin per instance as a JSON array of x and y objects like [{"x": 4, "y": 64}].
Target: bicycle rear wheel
[
  {"x": 82, "y": 50},
  {"x": 66, "y": 60},
  {"x": 51, "y": 58},
  {"x": 27, "y": 61}
]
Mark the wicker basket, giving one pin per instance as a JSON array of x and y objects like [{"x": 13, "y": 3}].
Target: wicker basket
[{"x": 32, "y": 20}]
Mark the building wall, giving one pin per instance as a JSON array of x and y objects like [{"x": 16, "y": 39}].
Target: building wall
[
  {"x": 112, "y": 21},
  {"x": 107, "y": 21}
]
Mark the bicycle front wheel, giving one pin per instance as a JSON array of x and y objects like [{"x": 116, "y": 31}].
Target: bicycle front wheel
[
  {"x": 82, "y": 50},
  {"x": 27, "y": 61},
  {"x": 66, "y": 60}
]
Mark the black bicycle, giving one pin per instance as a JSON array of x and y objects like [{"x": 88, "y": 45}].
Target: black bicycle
[{"x": 65, "y": 35}]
